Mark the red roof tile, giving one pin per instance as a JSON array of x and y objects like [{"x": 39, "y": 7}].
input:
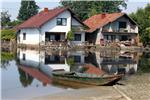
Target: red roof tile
[
  {"x": 37, "y": 74},
  {"x": 100, "y": 20},
  {"x": 93, "y": 70},
  {"x": 39, "y": 19}
]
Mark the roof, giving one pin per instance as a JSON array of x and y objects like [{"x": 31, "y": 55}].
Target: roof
[
  {"x": 36, "y": 74},
  {"x": 41, "y": 18},
  {"x": 100, "y": 20},
  {"x": 91, "y": 69}
]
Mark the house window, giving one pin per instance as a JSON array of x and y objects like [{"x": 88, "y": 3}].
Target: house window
[
  {"x": 77, "y": 37},
  {"x": 24, "y": 36},
  {"x": 122, "y": 25},
  {"x": 62, "y": 21},
  {"x": 106, "y": 37},
  {"x": 52, "y": 37},
  {"x": 77, "y": 59},
  {"x": 24, "y": 57}
]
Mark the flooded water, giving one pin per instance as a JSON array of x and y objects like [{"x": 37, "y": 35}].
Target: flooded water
[{"x": 28, "y": 73}]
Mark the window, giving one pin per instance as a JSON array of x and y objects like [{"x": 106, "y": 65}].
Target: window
[
  {"x": 106, "y": 37},
  {"x": 52, "y": 37},
  {"x": 62, "y": 21},
  {"x": 24, "y": 57},
  {"x": 77, "y": 37},
  {"x": 77, "y": 59},
  {"x": 122, "y": 25},
  {"x": 24, "y": 36}
]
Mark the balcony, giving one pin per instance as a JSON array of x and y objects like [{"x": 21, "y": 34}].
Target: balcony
[
  {"x": 121, "y": 30},
  {"x": 78, "y": 28}
]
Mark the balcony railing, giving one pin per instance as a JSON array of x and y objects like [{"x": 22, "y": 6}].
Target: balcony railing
[
  {"x": 78, "y": 28},
  {"x": 121, "y": 30}
]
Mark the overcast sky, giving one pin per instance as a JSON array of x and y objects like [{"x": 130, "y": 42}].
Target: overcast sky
[{"x": 13, "y": 5}]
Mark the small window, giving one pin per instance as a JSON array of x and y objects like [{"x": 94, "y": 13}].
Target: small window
[
  {"x": 77, "y": 59},
  {"x": 122, "y": 25},
  {"x": 77, "y": 37},
  {"x": 24, "y": 57},
  {"x": 24, "y": 36},
  {"x": 62, "y": 21}
]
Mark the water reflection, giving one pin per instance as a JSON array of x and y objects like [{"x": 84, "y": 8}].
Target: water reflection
[{"x": 40, "y": 64}]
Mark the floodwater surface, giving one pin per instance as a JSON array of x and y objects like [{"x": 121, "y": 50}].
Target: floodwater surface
[{"x": 28, "y": 73}]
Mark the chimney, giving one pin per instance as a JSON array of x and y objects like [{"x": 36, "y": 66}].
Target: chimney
[
  {"x": 46, "y": 10},
  {"x": 103, "y": 15}
]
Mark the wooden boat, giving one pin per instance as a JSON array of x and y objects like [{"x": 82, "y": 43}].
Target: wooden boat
[{"x": 81, "y": 79}]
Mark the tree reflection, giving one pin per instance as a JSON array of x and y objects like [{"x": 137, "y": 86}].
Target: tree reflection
[
  {"x": 144, "y": 63},
  {"x": 5, "y": 58},
  {"x": 25, "y": 78}
]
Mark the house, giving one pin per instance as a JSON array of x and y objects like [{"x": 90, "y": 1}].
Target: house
[
  {"x": 112, "y": 28},
  {"x": 51, "y": 25}
]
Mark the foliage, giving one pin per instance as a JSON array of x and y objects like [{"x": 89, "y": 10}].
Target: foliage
[
  {"x": 28, "y": 9},
  {"x": 144, "y": 63},
  {"x": 146, "y": 36},
  {"x": 142, "y": 17},
  {"x": 6, "y": 57},
  {"x": 25, "y": 78},
  {"x": 5, "y": 18},
  {"x": 85, "y": 9},
  {"x": 70, "y": 36},
  {"x": 8, "y": 34},
  {"x": 70, "y": 61},
  {"x": 15, "y": 22}
]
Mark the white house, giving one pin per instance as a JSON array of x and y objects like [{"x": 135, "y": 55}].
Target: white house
[
  {"x": 112, "y": 27},
  {"x": 51, "y": 25}
]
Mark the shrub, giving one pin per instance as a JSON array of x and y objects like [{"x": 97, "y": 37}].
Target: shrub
[{"x": 8, "y": 34}]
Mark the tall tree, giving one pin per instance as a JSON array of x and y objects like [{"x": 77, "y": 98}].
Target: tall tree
[
  {"x": 27, "y": 9},
  {"x": 142, "y": 17},
  {"x": 5, "y": 18},
  {"x": 85, "y": 9}
]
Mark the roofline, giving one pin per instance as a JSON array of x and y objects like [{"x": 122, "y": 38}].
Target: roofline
[
  {"x": 65, "y": 8},
  {"x": 123, "y": 14}
]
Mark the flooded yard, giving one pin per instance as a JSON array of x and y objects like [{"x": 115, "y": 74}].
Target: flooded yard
[{"x": 28, "y": 73}]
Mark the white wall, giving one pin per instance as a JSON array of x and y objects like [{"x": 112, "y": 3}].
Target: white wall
[
  {"x": 51, "y": 26},
  {"x": 31, "y": 57},
  {"x": 75, "y": 22},
  {"x": 115, "y": 25},
  {"x": 32, "y": 36},
  {"x": 36, "y": 59}
]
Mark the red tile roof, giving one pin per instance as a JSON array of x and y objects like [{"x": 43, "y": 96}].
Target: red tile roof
[
  {"x": 41, "y": 18},
  {"x": 37, "y": 74},
  {"x": 100, "y": 20},
  {"x": 93, "y": 70}
]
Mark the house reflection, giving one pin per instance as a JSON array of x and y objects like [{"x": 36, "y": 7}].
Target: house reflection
[
  {"x": 41, "y": 64},
  {"x": 122, "y": 62}
]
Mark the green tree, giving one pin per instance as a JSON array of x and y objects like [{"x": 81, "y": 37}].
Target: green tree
[
  {"x": 5, "y": 18},
  {"x": 141, "y": 16},
  {"x": 85, "y": 9},
  {"x": 70, "y": 36},
  {"x": 27, "y": 9}
]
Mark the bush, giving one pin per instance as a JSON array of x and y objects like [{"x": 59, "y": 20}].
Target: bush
[
  {"x": 70, "y": 36},
  {"x": 8, "y": 34}
]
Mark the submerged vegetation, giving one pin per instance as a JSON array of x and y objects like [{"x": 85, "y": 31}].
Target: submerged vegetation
[{"x": 6, "y": 57}]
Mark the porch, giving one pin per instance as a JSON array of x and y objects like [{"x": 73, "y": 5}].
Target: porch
[
  {"x": 126, "y": 39},
  {"x": 55, "y": 39}
]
